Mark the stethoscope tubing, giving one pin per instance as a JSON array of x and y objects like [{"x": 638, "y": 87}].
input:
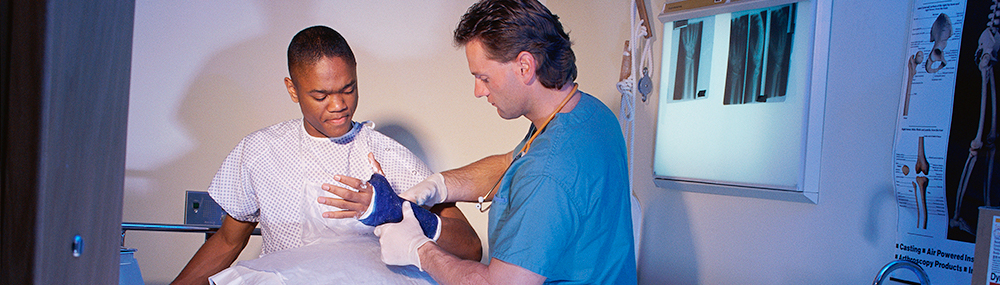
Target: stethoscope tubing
[{"x": 524, "y": 149}]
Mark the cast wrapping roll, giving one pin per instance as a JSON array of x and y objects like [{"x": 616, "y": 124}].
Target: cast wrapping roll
[{"x": 387, "y": 207}]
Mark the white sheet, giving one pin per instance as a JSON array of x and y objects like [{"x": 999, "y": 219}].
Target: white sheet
[{"x": 349, "y": 260}]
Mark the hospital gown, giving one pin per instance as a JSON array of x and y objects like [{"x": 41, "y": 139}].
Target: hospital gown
[{"x": 273, "y": 177}]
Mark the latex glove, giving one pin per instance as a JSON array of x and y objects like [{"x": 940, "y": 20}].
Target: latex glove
[
  {"x": 387, "y": 207},
  {"x": 429, "y": 192},
  {"x": 401, "y": 240}
]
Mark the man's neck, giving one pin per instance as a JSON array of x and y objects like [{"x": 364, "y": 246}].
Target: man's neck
[{"x": 549, "y": 100}]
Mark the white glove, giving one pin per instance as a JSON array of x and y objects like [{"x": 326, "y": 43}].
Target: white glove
[
  {"x": 429, "y": 192},
  {"x": 401, "y": 240}
]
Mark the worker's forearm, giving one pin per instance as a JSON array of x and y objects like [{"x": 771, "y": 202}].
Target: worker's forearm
[
  {"x": 449, "y": 269},
  {"x": 469, "y": 182},
  {"x": 457, "y": 235}
]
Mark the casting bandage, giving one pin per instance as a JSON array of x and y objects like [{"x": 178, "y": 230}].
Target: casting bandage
[{"x": 387, "y": 207}]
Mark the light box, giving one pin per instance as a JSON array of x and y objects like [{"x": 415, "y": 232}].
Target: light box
[{"x": 742, "y": 88}]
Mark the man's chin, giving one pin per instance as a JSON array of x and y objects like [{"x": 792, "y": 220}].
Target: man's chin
[
  {"x": 337, "y": 131},
  {"x": 506, "y": 117}
]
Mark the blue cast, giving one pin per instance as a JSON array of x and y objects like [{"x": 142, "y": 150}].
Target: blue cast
[{"x": 387, "y": 207}]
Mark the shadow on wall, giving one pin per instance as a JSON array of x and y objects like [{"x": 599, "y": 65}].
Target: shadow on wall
[
  {"x": 666, "y": 258},
  {"x": 406, "y": 138},
  {"x": 882, "y": 198}
]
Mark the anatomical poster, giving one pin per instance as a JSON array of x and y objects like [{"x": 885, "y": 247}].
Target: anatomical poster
[{"x": 944, "y": 155}]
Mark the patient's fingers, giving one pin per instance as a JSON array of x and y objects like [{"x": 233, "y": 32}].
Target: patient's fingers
[
  {"x": 350, "y": 209},
  {"x": 352, "y": 202},
  {"x": 345, "y": 204},
  {"x": 340, "y": 214},
  {"x": 350, "y": 182}
]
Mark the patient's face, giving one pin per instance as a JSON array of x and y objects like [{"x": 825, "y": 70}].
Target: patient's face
[{"x": 327, "y": 93}]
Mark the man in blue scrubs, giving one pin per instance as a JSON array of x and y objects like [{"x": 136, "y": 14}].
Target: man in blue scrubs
[{"x": 561, "y": 213}]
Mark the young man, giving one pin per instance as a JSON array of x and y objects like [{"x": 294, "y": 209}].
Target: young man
[
  {"x": 561, "y": 212},
  {"x": 273, "y": 176}
]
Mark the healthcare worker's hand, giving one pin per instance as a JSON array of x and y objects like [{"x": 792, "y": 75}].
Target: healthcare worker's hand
[
  {"x": 429, "y": 192},
  {"x": 401, "y": 240}
]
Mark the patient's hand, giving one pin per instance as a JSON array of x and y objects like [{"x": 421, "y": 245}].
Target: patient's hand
[{"x": 355, "y": 201}]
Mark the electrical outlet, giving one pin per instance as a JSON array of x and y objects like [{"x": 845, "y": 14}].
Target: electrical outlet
[{"x": 200, "y": 209}]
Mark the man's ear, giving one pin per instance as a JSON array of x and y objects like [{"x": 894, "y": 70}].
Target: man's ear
[
  {"x": 526, "y": 66},
  {"x": 291, "y": 89}
]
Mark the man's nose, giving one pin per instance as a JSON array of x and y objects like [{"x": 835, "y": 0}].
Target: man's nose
[
  {"x": 336, "y": 104},
  {"x": 480, "y": 89}
]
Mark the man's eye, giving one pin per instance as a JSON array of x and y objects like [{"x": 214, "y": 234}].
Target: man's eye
[{"x": 320, "y": 97}]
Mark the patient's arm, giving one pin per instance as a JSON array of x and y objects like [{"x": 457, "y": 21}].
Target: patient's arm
[
  {"x": 457, "y": 235},
  {"x": 218, "y": 252}
]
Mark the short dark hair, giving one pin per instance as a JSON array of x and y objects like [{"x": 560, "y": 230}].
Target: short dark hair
[
  {"x": 316, "y": 42},
  {"x": 508, "y": 27}
]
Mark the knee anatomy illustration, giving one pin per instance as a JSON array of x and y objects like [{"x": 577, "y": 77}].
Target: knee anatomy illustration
[
  {"x": 986, "y": 57},
  {"x": 922, "y": 164},
  {"x": 920, "y": 184}
]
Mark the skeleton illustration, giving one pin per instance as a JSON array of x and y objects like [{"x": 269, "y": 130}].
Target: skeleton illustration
[
  {"x": 986, "y": 57},
  {"x": 940, "y": 32},
  {"x": 915, "y": 60}
]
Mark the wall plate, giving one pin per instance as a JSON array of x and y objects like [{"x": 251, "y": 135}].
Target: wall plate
[{"x": 200, "y": 209}]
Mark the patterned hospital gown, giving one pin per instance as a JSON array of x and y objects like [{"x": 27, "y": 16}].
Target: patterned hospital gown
[{"x": 269, "y": 175}]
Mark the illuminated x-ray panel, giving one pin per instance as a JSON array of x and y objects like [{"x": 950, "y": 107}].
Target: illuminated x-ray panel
[{"x": 734, "y": 96}]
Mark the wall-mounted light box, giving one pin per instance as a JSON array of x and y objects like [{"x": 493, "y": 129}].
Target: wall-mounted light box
[{"x": 742, "y": 90}]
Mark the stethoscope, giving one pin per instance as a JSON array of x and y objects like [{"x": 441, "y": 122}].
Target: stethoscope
[{"x": 524, "y": 149}]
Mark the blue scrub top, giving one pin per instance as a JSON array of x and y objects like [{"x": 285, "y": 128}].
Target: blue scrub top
[{"x": 563, "y": 209}]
